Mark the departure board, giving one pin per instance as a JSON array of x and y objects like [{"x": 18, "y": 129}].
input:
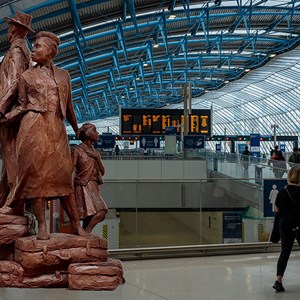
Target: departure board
[{"x": 155, "y": 121}]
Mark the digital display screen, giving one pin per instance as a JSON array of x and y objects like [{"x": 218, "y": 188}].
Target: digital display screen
[{"x": 155, "y": 121}]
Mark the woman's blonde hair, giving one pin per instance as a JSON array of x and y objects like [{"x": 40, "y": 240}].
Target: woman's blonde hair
[{"x": 294, "y": 175}]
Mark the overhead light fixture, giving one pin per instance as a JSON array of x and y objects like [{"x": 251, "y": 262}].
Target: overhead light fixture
[
  {"x": 137, "y": 78},
  {"x": 172, "y": 17},
  {"x": 272, "y": 55},
  {"x": 145, "y": 64},
  {"x": 131, "y": 88},
  {"x": 226, "y": 81},
  {"x": 247, "y": 70},
  {"x": 155, "y": 45}
]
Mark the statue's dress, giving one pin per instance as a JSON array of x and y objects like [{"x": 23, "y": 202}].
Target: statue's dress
[
  {"x": 44, "y": 158},
  {"x": 89, "y": 171}
]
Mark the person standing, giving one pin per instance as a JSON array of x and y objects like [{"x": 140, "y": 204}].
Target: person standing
[
  {"x": 279, "y": 164},
  {"x": 294, "y": 157},
  {"x": 273, "y": 152},
  {"x": 44, "y": 157},
  {"x": 245, "y": 158},
  {"x": 89, "y": 171},
  {"x": 15, "y": 62},
  {"x": 287, "y": 205},
  {"x": 117, "y": 150}
]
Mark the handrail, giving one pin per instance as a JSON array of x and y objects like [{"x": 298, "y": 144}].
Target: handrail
[{"x": 193, "y": 250}]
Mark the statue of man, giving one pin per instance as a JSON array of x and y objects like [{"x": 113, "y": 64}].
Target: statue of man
[{"x": 15, "y": 62}]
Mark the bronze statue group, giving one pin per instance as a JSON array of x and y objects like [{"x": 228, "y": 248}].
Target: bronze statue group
[
  {"x": 35, "y": 100},
  {"x": 37, "y": 166}
]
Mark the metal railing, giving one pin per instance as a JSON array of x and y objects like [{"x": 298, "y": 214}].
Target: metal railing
[{"x": 194, "y": 250}]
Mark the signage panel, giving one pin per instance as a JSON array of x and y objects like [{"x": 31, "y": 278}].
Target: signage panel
[
  {"x": 232, "y": 227},
  {"x": 218, "y": 147},
  {"x": 194, "y": 141},
  {"x": 105, "y": 141},
  {"x": 282, "y": 147},
  {"x": 255, "y": 145},
  {"x": 271, "y": 189},
  {"x": 155, "y": 121},
  {"x": 258, "y": 174},
  {"x": 241, "y": 147},
  {"x": 147, "y": 141},
  {"x": 171, "y": 130}
]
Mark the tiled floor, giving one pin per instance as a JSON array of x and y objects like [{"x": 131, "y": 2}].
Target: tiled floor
[{"x": 238, "y": 277}]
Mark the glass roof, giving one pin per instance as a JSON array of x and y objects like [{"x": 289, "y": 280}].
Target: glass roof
[{"x": 241, "y": 57}]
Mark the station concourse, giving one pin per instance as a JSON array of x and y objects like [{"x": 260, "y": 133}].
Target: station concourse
[{"x": 185, "y": 218}]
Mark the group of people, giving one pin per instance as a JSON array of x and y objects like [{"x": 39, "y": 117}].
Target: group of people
[
  {"x": 277, "y": 160},
  {"x": 35, "y": 100}
]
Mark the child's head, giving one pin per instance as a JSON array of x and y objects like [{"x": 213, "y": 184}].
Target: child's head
[{"x": 88, "y": 131}]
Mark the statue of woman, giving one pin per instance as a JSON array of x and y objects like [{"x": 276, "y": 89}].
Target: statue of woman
[
  {"x": 43, "y": 153},
  {"x": 89, "y": 171}
]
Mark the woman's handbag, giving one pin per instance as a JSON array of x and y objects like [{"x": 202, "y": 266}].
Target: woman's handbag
[
  {"x": 275, "y": 234},
  {"x": 297, "y": 228}
]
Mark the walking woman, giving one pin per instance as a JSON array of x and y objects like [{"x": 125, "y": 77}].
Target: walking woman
[{"x": 287, "y": 204}]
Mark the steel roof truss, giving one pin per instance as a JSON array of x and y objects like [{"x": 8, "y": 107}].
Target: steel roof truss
[
  {"x": 131, "y": 9},
  {"x": 120, "y": 38},
  {"x": 163, "y": 31}
]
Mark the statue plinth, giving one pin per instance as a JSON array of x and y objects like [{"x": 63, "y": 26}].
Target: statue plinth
[{"x": 63, "y": 260}]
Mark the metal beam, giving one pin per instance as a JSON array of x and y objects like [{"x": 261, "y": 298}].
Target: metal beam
[{"x": 131, "y": 8}]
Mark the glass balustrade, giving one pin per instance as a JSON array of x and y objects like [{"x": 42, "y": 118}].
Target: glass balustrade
[
  {"x": 232, "y": 204},
  {"x": 213, "y": 211}
]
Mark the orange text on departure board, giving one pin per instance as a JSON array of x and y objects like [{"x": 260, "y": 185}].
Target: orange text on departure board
[
  {"x": 126, "y": 118},
  {"x": 165, "y": 121}
]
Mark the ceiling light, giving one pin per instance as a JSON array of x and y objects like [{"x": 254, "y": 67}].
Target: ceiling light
[
  {"x": 155, "y": 45},
  {"x": 131, "y": 88},
  {"x": 247, "y": 70},
  {"x": 172, "y": 17},
  {"x": 145, "y": 64},
  {"x": 226, "y": 81},
  {"x": 272, "y": 55},
  {"x": 138, "y": 78}
]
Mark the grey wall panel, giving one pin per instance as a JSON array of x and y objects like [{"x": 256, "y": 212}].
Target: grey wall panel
[
  {"x": 123, "y": 169},
  {"x": 196, "y": 195}
]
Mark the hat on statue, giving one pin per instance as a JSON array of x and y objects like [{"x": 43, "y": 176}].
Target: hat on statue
[{"x": 20, "y": 19}]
